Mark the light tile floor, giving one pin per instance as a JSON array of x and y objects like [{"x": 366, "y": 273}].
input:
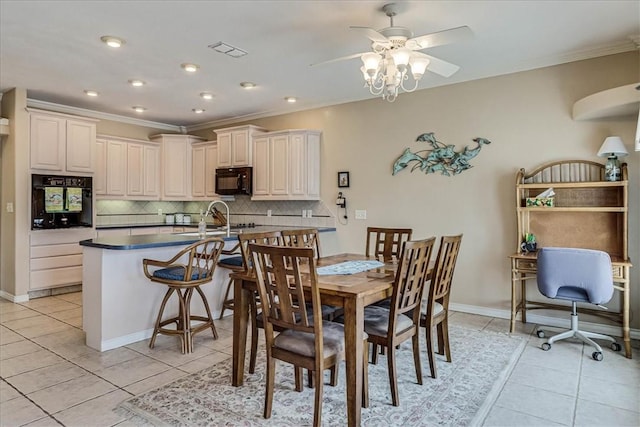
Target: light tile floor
[{"x": 50, "y": 378}]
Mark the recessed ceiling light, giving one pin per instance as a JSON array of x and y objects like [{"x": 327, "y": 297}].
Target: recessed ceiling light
[
  {"x": 248, "y": 85},
  {"x": 192, "y": 68},
  {"x": 112, "y": 41},
  {"x": 139, "y": 109},
  {"x": 206, "y": 95},
  {"x": 137, "y": 83},
  {"x": 91, "y": 93},
  {"x": 198, "y": 110},
  {"x": 290, "y": 99}
]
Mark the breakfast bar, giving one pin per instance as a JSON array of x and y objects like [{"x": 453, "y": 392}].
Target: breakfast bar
[{"x": 120, "y": 303}]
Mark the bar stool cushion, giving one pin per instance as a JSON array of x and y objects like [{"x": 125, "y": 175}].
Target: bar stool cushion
[
  {"x": 235, "y": 261},
  {"x": 376, "y": 321},
  {"x": 177, "y": 273},
  {"x": 304, "y": 342}
]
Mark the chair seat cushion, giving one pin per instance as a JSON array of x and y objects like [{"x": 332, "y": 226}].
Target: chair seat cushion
[
  {"x": 437, "y": 307},
  {"x": 177, "y": 273},
  {"x": 376, "y": 321},
  {"x": 304, "y": 342},
  {"x": 234, "y": 261}
]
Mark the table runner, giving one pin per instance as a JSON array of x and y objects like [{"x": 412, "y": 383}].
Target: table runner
[{"x": 349, "y": 267}]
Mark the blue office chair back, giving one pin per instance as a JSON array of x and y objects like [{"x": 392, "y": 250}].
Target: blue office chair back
[{"x": 575, "y": 274}]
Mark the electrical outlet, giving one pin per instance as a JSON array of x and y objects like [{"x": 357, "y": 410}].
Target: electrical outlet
[
  {"x": 9, "y": 207},
  {"x": 159, "y": 211},
  {"x": 304, "y": 213},
  {"x": 310, "y": 213},
  {"x": 268, "y": 212},
  {"x": 361, "y": 214}
]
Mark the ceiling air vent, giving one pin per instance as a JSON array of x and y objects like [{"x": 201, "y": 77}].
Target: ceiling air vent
[{"x": 227, "y": 49}]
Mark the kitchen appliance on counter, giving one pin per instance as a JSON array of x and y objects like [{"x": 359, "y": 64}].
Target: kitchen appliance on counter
[
  {"x": 232, "y": 181},
  {"x": 61, "y": 201}
]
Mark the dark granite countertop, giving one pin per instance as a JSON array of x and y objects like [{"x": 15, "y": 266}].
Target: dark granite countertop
[{"x": 177, "y": 239}]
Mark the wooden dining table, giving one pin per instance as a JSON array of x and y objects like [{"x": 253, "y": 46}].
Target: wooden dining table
[{"x": 353, "y": 292}]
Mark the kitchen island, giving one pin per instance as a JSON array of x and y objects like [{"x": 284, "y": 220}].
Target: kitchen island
[{"x": 120, "y": 303}]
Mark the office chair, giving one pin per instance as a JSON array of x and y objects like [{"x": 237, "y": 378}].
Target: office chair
[{"x": 576, "y": 275}]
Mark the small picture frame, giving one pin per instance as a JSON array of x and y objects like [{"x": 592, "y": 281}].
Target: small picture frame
[{"x": 343, "y": 179}]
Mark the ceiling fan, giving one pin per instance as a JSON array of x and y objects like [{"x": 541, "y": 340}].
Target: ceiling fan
[{"x": 395, "y": 52}]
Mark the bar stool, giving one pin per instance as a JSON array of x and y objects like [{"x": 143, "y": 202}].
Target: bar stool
[
  {"x": 236, "y": 265},
  {"x": 184, "y": 273}
]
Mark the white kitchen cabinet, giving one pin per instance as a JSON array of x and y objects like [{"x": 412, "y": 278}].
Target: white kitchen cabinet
[
  {"x": 100, "y": 176},
  {"x": 176, "y": 163},
  {"x": 56, "y": 257},
  {"x": 235, "y": 145},
  {"x": 116, "y": 176},
  {"x": 62, "y": 143},
  {"x": 287, "y": 166},
  {"x": 143, "y": 170},
  {"x": 204, "y": 162}
]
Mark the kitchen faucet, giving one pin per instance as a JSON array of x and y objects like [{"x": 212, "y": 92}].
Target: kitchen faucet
[{"x": 209, "y": 211}]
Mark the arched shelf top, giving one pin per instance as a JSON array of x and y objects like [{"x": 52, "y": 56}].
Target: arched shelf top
[{"x": 616, "y": 102}]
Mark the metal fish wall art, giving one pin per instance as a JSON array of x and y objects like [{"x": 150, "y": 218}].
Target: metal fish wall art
[{"x": 442, "y": 158}]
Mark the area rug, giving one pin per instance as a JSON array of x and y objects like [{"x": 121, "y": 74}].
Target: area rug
[{"x": 461, "y": 395}]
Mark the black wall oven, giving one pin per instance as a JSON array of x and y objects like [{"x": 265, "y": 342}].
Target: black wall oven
[{"x": 61, "y": 201}]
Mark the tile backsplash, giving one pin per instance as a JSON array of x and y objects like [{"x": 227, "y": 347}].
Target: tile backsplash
[{"x": 242, "y": 210}]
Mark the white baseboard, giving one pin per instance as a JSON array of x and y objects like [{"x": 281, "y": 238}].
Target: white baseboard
[
  {"x": 14, "y": 298},
  {"x": 600, "y": 328}
]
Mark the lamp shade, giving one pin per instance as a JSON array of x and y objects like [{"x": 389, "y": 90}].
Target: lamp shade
[{"x": 612, "y": 146}]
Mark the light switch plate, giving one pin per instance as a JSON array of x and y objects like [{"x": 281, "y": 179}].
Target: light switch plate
[{"x": 361, "y": 214}]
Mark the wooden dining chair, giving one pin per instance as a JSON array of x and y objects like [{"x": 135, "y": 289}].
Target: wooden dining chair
[
  {"x": 234, "y": 263},
  {"x": 184, "y": 273},
  {"x": 435, "y": 305},
  {"x": 284, "y": 275},
  {"x": 245, "y": 239},
  {"x": 390, "y": 327},
  {"x": 386, "y": 243}
]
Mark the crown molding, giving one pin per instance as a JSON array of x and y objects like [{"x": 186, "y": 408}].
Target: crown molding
[{"x": 51, "y": 106}]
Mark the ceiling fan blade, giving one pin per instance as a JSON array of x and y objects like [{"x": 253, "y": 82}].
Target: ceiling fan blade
[
  {"x": 438, "y": 66},
  {"x": 373, "y": 35},
  {"x": 440, "y": 38},
  {"x": 342, "y": 58}
]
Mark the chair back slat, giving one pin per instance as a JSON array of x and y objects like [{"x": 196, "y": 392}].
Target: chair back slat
[
  {"x": 281, "y": 285},
  {"x": 302, "y": 238},
  {"x": 411, "y": 276},
  {"x": 273, "y": 238},
  {"x": 445, "y": 265},
  {"x": 386, "y": 243}
]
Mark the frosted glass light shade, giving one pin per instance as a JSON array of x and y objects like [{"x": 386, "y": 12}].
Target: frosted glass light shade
[{"x": 612, "y": 146}]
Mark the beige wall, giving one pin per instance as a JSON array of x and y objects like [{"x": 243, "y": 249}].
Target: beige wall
[
  {"x": 14, "y": 234},
  {"x": 526, "y": 115}
]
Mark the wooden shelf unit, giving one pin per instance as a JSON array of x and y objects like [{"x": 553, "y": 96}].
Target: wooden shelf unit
[{"x": 588, "y": 212}]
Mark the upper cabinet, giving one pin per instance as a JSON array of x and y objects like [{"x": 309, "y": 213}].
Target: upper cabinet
[
  {"x": 235, "y": 145},
  {"x": 176, "y": 170},
  {"x": 204, "y": 162},
  {"x": 127, "y": 168},
  {"x": 286, "y": 165},
  {"x": 61, "y": 143}
]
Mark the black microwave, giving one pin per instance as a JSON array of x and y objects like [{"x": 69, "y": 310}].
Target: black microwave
[{"x": 231, "y": 181}]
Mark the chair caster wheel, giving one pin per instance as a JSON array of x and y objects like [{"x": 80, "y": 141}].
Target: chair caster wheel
[
  {"x": 616, "y": 347},
  {"x": 546, "y": 346},
  {"x": 597, "y": 356},
  {"x": 540, "y": 333}
]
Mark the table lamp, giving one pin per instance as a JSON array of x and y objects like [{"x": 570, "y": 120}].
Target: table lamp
[{"x": 611, "y": 148}]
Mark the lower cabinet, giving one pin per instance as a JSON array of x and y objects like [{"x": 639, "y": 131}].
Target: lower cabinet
[{"x": 56, "y": 257}]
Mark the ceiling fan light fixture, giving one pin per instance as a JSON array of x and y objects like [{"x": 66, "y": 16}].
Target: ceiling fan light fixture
[
  {"x": 371, "y": 61},
  {"x": 112, "y": 41},
  {"x": 401, "y": 57},
  {"x": 418, "y": 67}
]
